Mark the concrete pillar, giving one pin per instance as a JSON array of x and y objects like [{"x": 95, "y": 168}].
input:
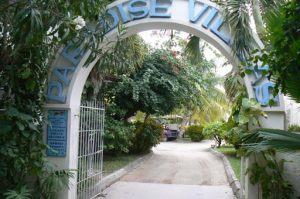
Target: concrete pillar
[{"x": 275, "y": 120}]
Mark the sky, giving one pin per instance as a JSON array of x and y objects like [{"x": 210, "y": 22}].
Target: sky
[{"x": 156, "y": 37}]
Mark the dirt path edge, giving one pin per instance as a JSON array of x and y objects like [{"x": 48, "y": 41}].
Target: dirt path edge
[
  {"x": 232, "y": 179},
  {"x": 117, "y": 175}
]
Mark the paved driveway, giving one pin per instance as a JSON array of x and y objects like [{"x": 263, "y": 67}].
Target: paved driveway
[{"x": 177, "y": 170}]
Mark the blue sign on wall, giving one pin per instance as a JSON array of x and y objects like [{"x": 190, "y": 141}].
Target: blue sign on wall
[{"x": 57, "y": 133}]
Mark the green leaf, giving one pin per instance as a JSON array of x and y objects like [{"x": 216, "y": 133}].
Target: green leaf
[
  {"x": 12, "y": 111},
  {"x": 5, "y": 126},
  {"x": 23, "y": 193},
  {"x": 26, "y": 134},
  {"x": 246, "y": 103},
  {"x": 24, "y": 74},
  {"x": 248, "y": 71},
  {"x": 243, "y": 118},
  {"x": 242, "y": 74},
  {"x": 271, "y": 102},
  {"x": 20, "y": 126},
  {"x": 264, "y": 73},
  {"x": 30, "y": 84},
  {"x": 255, "y": 51}
]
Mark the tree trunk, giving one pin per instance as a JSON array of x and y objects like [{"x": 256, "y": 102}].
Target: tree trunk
[{"x": 219, "y": 141}]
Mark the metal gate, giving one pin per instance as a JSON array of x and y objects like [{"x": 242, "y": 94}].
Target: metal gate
[{"x": 90, "y": 150}]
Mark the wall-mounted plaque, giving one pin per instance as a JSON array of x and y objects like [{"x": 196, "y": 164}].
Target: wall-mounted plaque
[{"x": 57, "y": 133}]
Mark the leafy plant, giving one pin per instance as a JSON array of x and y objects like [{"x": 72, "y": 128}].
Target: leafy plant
[
  {"x": 155, "y": 88},
  {"x": 215, "y": 130},
  {"x": 31, "y": 33},
  {"x": 23, "y": 193},
  {"x": 294, "y": 128},
  {"x": 51, "y": 182},
  {"x": 235, "y": 134},
  {"x": 245, "y": 114},
  {"x": 195, "y": 132},
  {"x": 146, "y": 135},
  {"x": 118, "y": 136},
  {"x": 281, "y": 53},
  {"x": 249, "y": 113},
  {"x": 270, "y": 177}
]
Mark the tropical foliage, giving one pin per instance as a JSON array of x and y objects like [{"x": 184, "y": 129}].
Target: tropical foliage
[
  {"x": 277, "y": 23},
  {"x": 281, "y": 55},
  {"x": 146, "y": 135},
  {"x": 134, "y": 137},
  {"x": 195, "y": 132},
  {"x": 234, "y": 86},
  {"x": 216, "y": 131},
  {"x": 244, "y": 117},
  {"x": 161, "y": 82},
  {"x": 155, "y": 88},
  {"x": 31, "y": 32},
  {"x": 126, "y": 58},
  {"x": 238, "y": 15},
  {"x": 118, "y": 136},
  {"x": 270, "y": 177},
  {"x": 282, "y": 49},
  {"x": 269, "y": 173},
  {"x": 209, "y": 103},
  {"x": 294, "y": 128},
  {"x": 265, "y": 139}
]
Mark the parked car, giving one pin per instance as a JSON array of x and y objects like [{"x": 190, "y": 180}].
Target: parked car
[{"x": 171, "y": 132}]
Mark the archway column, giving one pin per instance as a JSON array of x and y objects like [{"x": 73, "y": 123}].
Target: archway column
[{"x": 275, "y": 120}]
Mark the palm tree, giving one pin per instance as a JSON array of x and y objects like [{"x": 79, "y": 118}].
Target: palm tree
[
  {"x": 238, "y": 14},
  {"x": 194, "y": 50},
  {"x": 208, "y": 103},
  {"x": 214, "y": 104}
]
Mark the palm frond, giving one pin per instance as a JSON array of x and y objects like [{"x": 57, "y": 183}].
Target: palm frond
[
  {"x": 265, "y": 139},
  {"x": 293, "y": 87},
  {"x": 127, "y": 56},
  {"x": 236, "y": 14},
  {"x": 194, "y": 50},
  {"x": 271, "y": 6},
  {"x": 233, "y": 85},
  {"x": 257, "y": 16}
]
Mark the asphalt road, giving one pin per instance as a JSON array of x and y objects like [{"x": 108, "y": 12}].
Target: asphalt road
[{"x": 177, "y": 170}]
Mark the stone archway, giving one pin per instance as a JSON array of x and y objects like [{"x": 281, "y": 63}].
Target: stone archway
[{"x": 198, "y": 17}]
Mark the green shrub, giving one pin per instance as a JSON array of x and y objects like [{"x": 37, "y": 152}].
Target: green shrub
[
  {"x": 118, "y": 136},
  {"x": 216, "y": 131},
  {"x": 195, "y": 133},
  {"x": 233, "y": 136},
  {"x": 294, "y": 128},
  {"x": 146, "y": 135}
]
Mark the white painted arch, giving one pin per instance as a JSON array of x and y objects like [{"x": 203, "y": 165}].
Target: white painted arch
[{"x": 68, "y": 76}]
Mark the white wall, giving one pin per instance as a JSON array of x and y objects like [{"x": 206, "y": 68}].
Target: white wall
[{"x": 292, "y": 110}]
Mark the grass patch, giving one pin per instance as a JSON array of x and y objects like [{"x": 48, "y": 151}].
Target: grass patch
[
  {"x": 235, "y": 161},
  {"x": 114, "y": 163}
]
